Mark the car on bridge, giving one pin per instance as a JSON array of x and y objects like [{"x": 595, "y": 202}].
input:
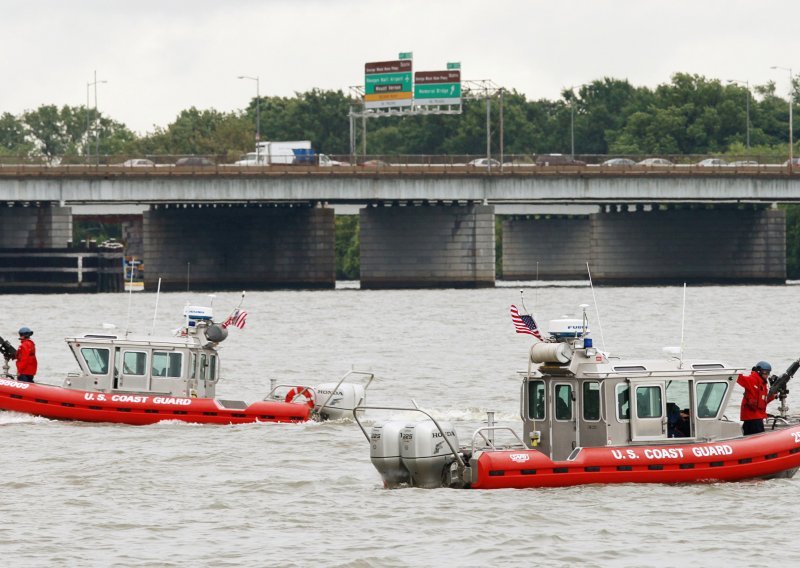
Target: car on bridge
[
  {"x": 194, "y": 161},
  {"x": 624, "y": 162},
  {"x": 712, "y": 163},
  {"x": 484, "y": 163},
  {"x": 557, "y": 160},
  {"x": 655, "y": 162}
]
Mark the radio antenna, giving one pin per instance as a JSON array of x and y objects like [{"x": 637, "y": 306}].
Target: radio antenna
[
  {"x": 130, "y": 298},
  {"x": 596, "y": 309},
  {"x": 683, "y": 321},
  {"x": 155, "y": 311}
]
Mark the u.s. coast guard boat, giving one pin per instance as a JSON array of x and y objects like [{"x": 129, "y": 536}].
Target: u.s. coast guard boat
[
  {"x": 591, "y": 418},
  {"x": 139, "y": 380}
]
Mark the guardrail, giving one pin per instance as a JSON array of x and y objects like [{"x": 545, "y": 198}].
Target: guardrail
[{"x": 391, "y": 169}]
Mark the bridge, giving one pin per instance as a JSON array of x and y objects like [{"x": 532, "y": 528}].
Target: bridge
[{"x": 421, "y": 226}]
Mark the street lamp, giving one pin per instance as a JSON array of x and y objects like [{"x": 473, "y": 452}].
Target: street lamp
[
  {"x": 791, "y": 93},
  {"x": 258, "y": 115},
  {"x": 747, "y": 86},
  {"x": 88, "y": 86},
  {"x": 572, "y": 117}
]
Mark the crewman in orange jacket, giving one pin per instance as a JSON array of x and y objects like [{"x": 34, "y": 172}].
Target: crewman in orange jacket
[
  {"x": 26, "y": 356},
  {"x": 755, "y": 399}
]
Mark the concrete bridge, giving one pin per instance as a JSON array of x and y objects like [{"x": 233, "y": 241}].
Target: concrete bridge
[{"x": 421, "y": 226}]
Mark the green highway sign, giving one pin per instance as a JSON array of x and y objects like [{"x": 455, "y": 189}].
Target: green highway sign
[
  {"x": 437, "y": 88},
  {"x": 388, "y": 84}
]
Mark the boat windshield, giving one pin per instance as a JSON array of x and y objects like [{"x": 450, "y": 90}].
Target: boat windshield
[{"x": 709, "y": 398}]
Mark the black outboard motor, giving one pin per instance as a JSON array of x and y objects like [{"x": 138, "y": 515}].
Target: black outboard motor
[{"x": 777, "y": 386}]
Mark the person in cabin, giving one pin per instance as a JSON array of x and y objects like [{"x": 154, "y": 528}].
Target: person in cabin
[
  {"x": 755, "y": 399},
  {"x": 26, "y": 356}
]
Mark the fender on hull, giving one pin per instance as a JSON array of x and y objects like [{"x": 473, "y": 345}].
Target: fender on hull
[
  {"x": 762, "y": 456},
  {"x": 138, "y": 409}
]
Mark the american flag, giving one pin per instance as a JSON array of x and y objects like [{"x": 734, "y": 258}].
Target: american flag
[
  {"x": 238, "y": 319},
  {"x": 524, "y": 323}
]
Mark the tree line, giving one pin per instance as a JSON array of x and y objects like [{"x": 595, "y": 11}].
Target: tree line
[{"x": 690, "y": 115}]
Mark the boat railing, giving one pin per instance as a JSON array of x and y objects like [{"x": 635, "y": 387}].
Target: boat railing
[
  {"x": 453, "y": 450},
  {"x": 664, "y": 373},
  {"x": 486, "y": 433}
]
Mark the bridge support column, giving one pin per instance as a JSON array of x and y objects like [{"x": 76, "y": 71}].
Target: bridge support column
[
  {"x": 548, "y": 248},
  {"x": 35, "y": 227},
  {"x": 724, "y": 245},
  {"x": 239, "y": 247},
  {"x": 427, "y": 247}
]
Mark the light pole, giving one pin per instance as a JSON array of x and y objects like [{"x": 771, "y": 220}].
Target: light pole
[
  {"x": 572, "y": 118},
  {"x": 258, "y": 115},
  {"x": 88, "y": 86},
  {"x": 747, "y": 86},
  {"x": 791, "y": 94}
]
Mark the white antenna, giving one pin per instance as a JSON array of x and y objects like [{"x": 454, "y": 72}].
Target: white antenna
[
  {"x": 683, "y": 321},
  {"x": 596, "y": 309},
  {"x": 130, "y": 298},
  {"x": 155, "y": 311}
]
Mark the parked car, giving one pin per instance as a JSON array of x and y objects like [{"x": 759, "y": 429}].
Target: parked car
[
  {"x": 619, "y": 162},
  {"x": 484, "y": 163},
  {"x": 557, "y": 160},
  {"x": 655, "y": 162},
  {"x": 712, "y": 163},
  {"x": 795, "y": 162},
  {"x": 194, "y": 161}
]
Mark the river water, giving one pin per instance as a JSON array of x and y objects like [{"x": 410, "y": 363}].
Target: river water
[{"x": 173, "y": 494}]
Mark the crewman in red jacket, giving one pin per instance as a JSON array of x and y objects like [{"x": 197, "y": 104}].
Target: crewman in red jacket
[
  {"x": 26, "y": 356},
  {"x": 755, "y": 399}
]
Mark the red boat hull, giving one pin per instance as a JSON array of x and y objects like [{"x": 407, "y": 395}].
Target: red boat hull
[
  {"x": 772, "y": 454},
  {"x": 137, "y": 409}
]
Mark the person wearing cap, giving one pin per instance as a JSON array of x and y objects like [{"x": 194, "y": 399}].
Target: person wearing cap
[
  {"x": 26, "y": 356},
  {"x": 755, "y": 399}
]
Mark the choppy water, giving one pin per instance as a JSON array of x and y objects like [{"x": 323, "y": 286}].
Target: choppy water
[{"x": 306, "y": 494}]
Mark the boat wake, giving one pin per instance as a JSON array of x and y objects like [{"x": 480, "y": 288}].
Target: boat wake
[{"x": 9, "y": 417}]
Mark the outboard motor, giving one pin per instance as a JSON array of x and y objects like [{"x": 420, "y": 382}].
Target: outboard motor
[
  {"x": 384, "y": 453},
  {"x": 341, "y": 400},
  {"x": 425, "y": 453}
]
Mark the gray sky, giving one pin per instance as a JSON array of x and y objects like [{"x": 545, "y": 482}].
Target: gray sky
[{"x": 159, "y": 57}]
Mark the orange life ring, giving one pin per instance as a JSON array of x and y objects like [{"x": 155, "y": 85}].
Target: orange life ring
[{"x": 306, "y": 395}]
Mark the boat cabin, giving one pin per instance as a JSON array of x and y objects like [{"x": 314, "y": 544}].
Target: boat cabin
[
  {"x": 186, "y": 365},
  {"x": 579, "y": 397}
]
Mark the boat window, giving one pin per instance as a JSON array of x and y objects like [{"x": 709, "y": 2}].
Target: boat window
[
  {"x": 563, "y": 396},
  {"x": 134, "y": 363},
  {"x": 203, "y": 365},
  {"x": 709, "y": 398},
  {"x": 536, "y": 400},
  {"x": 623, "y": 402},
  {"x": 194, "y": 365},
  {"x": 591, "y": 400},
  {"x": 703, "y": 366},
  {"x": 630, "y": 368},
  {"x": 167, "y": 364},
  {"x": 96, "y": 359},
  {"x": 212, "y": 369},
  {"x": 648, "y": 402}
]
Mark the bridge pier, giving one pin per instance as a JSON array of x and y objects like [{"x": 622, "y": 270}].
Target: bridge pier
[
  {"x": 721, "y": 244},
  {"x": 549, "y": 248},
  {"x": 239, "y": 247},
  {"x": 428, "y": 246},
  {"x": 35, "y": 227}
]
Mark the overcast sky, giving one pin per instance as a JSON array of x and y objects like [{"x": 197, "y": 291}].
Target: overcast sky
[{"x": 159, "y": 57}]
